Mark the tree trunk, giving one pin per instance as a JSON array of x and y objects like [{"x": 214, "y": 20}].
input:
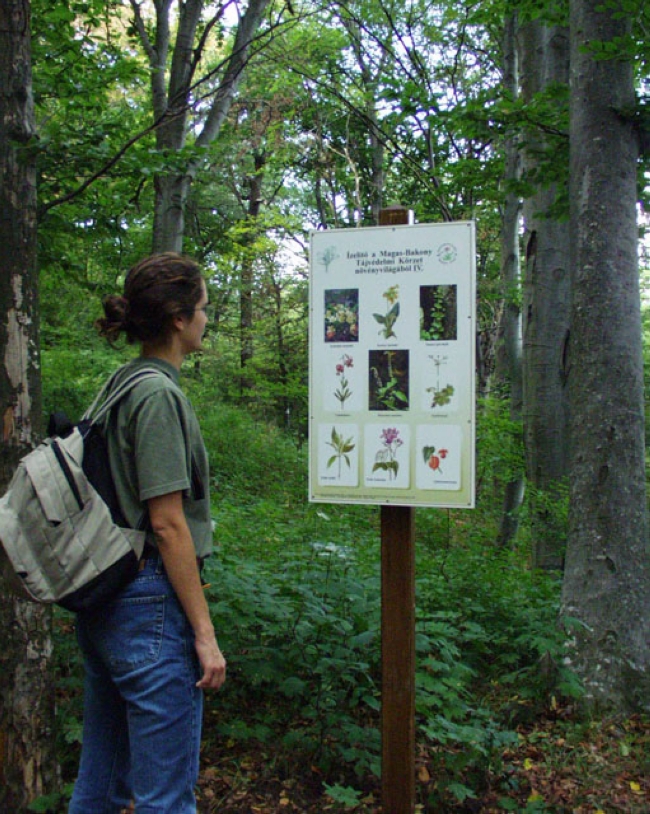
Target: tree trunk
[
  {"x": 370, "y": 77},
  {"x": 607, "y": 577},
  {"x": 27, "y": 764},
  {"x": 546, "y": 313},
  {"x": 510, "y": 370},
  {"x": 376, "y": 165},
  {"x": 283, "y": 372},
  {"x": 246, "y": 318},
  {"x": 172, "y": 107}
]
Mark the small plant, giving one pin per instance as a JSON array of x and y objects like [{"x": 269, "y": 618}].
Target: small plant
[
  {"x": 386, "y": 458},
  {"x": 343, "y": 391},
  {"x": 389, "y": 380},
  {"x": 440, "y": 396},
  {"x": 345, "y": 795},
  {"x": 341, "y": 446},
  {"x": 389, "y": 319},
  {"x": 435, "y": 322}
]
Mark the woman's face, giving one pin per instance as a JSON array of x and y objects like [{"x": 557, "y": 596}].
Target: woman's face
[{"x": 191, "y": 333}]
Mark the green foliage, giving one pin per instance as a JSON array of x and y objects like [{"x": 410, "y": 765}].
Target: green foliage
[
  {"x": 496, "y": 638},
  {"x": 388, "y": 320},
  {"x": 500, "y": 444},
  {"x": 302, "y": 643},
  {"x": 72, "y": 377},
  {"x": 249, "y": 459},
  {"x": 295, "y": 596},
  {"x": 345, "y": 795}
]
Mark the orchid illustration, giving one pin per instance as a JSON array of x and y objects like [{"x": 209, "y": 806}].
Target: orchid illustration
[{"x": 343, "y": 391}]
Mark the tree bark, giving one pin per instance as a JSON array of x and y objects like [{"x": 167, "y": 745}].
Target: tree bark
[
  {"x": 607, "y": 577},
  {"x": 509, "y": 368},
  {"x": 546, "y": 311},
  {"x": 27, "y": 763}
]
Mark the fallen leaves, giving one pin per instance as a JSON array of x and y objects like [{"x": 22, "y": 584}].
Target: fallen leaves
[{"x": 558, "y": 765}]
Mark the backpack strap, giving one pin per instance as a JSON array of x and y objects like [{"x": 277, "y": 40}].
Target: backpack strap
[{"x": 107, "y": 398}]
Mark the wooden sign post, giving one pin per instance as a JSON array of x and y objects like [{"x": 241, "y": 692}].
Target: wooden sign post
[
  {"x": 391, "y": 416},
  {"x": 397, "y": 638}
]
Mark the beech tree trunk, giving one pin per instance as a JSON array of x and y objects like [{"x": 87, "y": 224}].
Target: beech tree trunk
[
  {"x": 607, "y": 577},
  {"x": 546, "y": 311},
  {"x": 171, "y": 94},
  {"x": 509, "y": 357},
  {"x": 27, "y": 765}
]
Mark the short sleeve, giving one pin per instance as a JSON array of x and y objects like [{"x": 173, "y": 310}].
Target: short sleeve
[{"x": 160, "y": 446}]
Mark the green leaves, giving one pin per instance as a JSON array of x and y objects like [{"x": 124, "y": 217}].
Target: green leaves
[
  {"x": 386, "y": 466},
  {"x": 342, "y": 446},
  {"x": 388, "y": 320},
  {"x": 302, "y": 638},
  {"x": 427, "y": 452}
]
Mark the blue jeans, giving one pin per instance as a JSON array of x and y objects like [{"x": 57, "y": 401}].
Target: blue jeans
[{"x": 142, "y": 710}]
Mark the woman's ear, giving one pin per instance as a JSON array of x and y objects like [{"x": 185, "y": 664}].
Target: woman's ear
[{"x": 178, "y": 322}]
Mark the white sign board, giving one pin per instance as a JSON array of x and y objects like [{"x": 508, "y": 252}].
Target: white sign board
[{"x": 392, "y": 359}]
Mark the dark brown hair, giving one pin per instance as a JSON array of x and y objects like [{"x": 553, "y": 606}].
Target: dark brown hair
[{"x": 156, "y": 289}]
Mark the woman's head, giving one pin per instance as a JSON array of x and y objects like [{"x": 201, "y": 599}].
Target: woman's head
[{"x": 156, "y": 290}]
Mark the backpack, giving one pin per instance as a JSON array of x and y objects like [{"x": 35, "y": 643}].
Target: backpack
[{"x": 61, "y": 527}]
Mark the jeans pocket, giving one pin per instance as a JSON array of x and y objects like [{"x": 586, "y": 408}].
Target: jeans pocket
[{"x": 131, "y": 635}]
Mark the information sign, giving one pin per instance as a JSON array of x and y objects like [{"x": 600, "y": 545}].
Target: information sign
[{"x": 392, "y": 360}]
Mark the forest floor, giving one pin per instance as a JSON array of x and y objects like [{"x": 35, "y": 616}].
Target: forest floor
[{"x": 559, "y": 765}]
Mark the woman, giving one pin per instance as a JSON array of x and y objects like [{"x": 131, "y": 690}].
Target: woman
[{"x": 150, "y": 653}]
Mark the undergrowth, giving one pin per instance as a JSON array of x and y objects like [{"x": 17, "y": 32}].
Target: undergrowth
[{"x": 295, "y": 597}]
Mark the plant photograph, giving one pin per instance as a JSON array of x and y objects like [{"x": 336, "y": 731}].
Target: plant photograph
[
  {"x": 388, "y": 380},
  {"x": 342, "y": 315},
  {"x": 438, "y": 313}
]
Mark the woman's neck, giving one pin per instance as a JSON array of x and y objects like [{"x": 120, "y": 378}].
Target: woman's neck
[{"x": 168, "y": 352}]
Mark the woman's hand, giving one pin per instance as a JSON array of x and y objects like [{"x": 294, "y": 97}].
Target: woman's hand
[{"x": 212, "y": 662}]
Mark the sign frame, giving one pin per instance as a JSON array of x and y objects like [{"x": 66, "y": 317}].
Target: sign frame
[{"x": 392, "y": 355}]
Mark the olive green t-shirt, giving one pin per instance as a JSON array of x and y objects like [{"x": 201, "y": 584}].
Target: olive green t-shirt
[{"x": 155, "y": 447}]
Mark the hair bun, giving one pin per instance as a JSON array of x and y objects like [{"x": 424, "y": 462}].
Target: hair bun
[{"x": 114, "y": 321}]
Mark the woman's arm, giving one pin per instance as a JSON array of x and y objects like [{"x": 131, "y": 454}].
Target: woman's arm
[{"x": 179, "y": 557}]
